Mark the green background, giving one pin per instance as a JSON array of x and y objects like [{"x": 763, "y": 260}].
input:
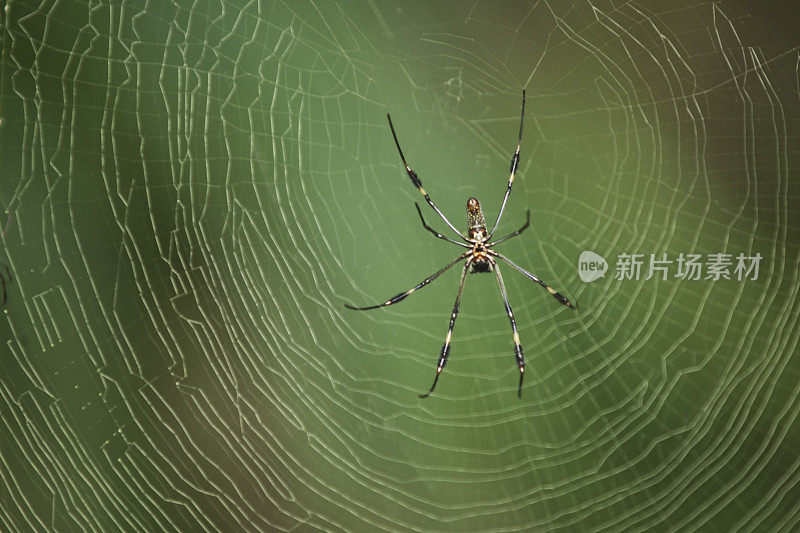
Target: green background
[{"x": 194, "y": 191}]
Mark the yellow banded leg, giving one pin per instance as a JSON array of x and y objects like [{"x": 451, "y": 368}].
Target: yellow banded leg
[{"x": 445, "y": 353}]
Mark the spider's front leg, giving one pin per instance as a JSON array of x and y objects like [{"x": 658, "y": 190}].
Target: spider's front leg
[
  {"x": 445, "y": 353},
  {"x": 517, "y": 346}
]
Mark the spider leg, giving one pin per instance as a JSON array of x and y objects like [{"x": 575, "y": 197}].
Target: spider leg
[
  {"x": 402, "y": 295},
  {"x": 552, "y": 291},
  {"x": 520, "y": 230},
  {"x": 517, "y": 347},
  {"x": 513, "y": 168},
  {"x": 418, "y": 183},
  {"x": 436, "y": 233},
  {"x": 446, "y": 347},
  {"x": 3, "y": 281}
]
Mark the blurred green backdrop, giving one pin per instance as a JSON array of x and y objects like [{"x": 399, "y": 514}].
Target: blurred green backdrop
[{"x": 194, "y": 191}]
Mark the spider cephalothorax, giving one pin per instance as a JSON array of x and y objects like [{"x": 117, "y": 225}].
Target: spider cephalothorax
[{"x": 479, "y": 256}]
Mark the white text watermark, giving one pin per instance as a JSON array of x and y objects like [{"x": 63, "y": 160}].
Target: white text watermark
[{"x": 685, "y": 266}]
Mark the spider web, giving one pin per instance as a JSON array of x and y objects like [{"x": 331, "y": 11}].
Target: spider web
[{"x": 195, "y": 191}]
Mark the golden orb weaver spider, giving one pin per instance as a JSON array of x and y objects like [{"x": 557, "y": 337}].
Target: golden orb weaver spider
[{"x": 480, "y": 257}]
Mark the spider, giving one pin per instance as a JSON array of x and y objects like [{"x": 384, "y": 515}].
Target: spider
[{"x": 480, "y": 257}]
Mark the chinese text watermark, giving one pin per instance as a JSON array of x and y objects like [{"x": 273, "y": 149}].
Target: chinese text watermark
[{"x": 716, "y": 266}]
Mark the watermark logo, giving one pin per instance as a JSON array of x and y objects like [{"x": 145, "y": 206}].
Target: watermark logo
[
  {"x": 591, "y": 266},
  {"x": 689, "y": 266}
]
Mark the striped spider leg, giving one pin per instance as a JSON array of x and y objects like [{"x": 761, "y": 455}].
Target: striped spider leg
[
  {"x": 4, "y": 280},
  {"x": 479, "y": 256}
]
